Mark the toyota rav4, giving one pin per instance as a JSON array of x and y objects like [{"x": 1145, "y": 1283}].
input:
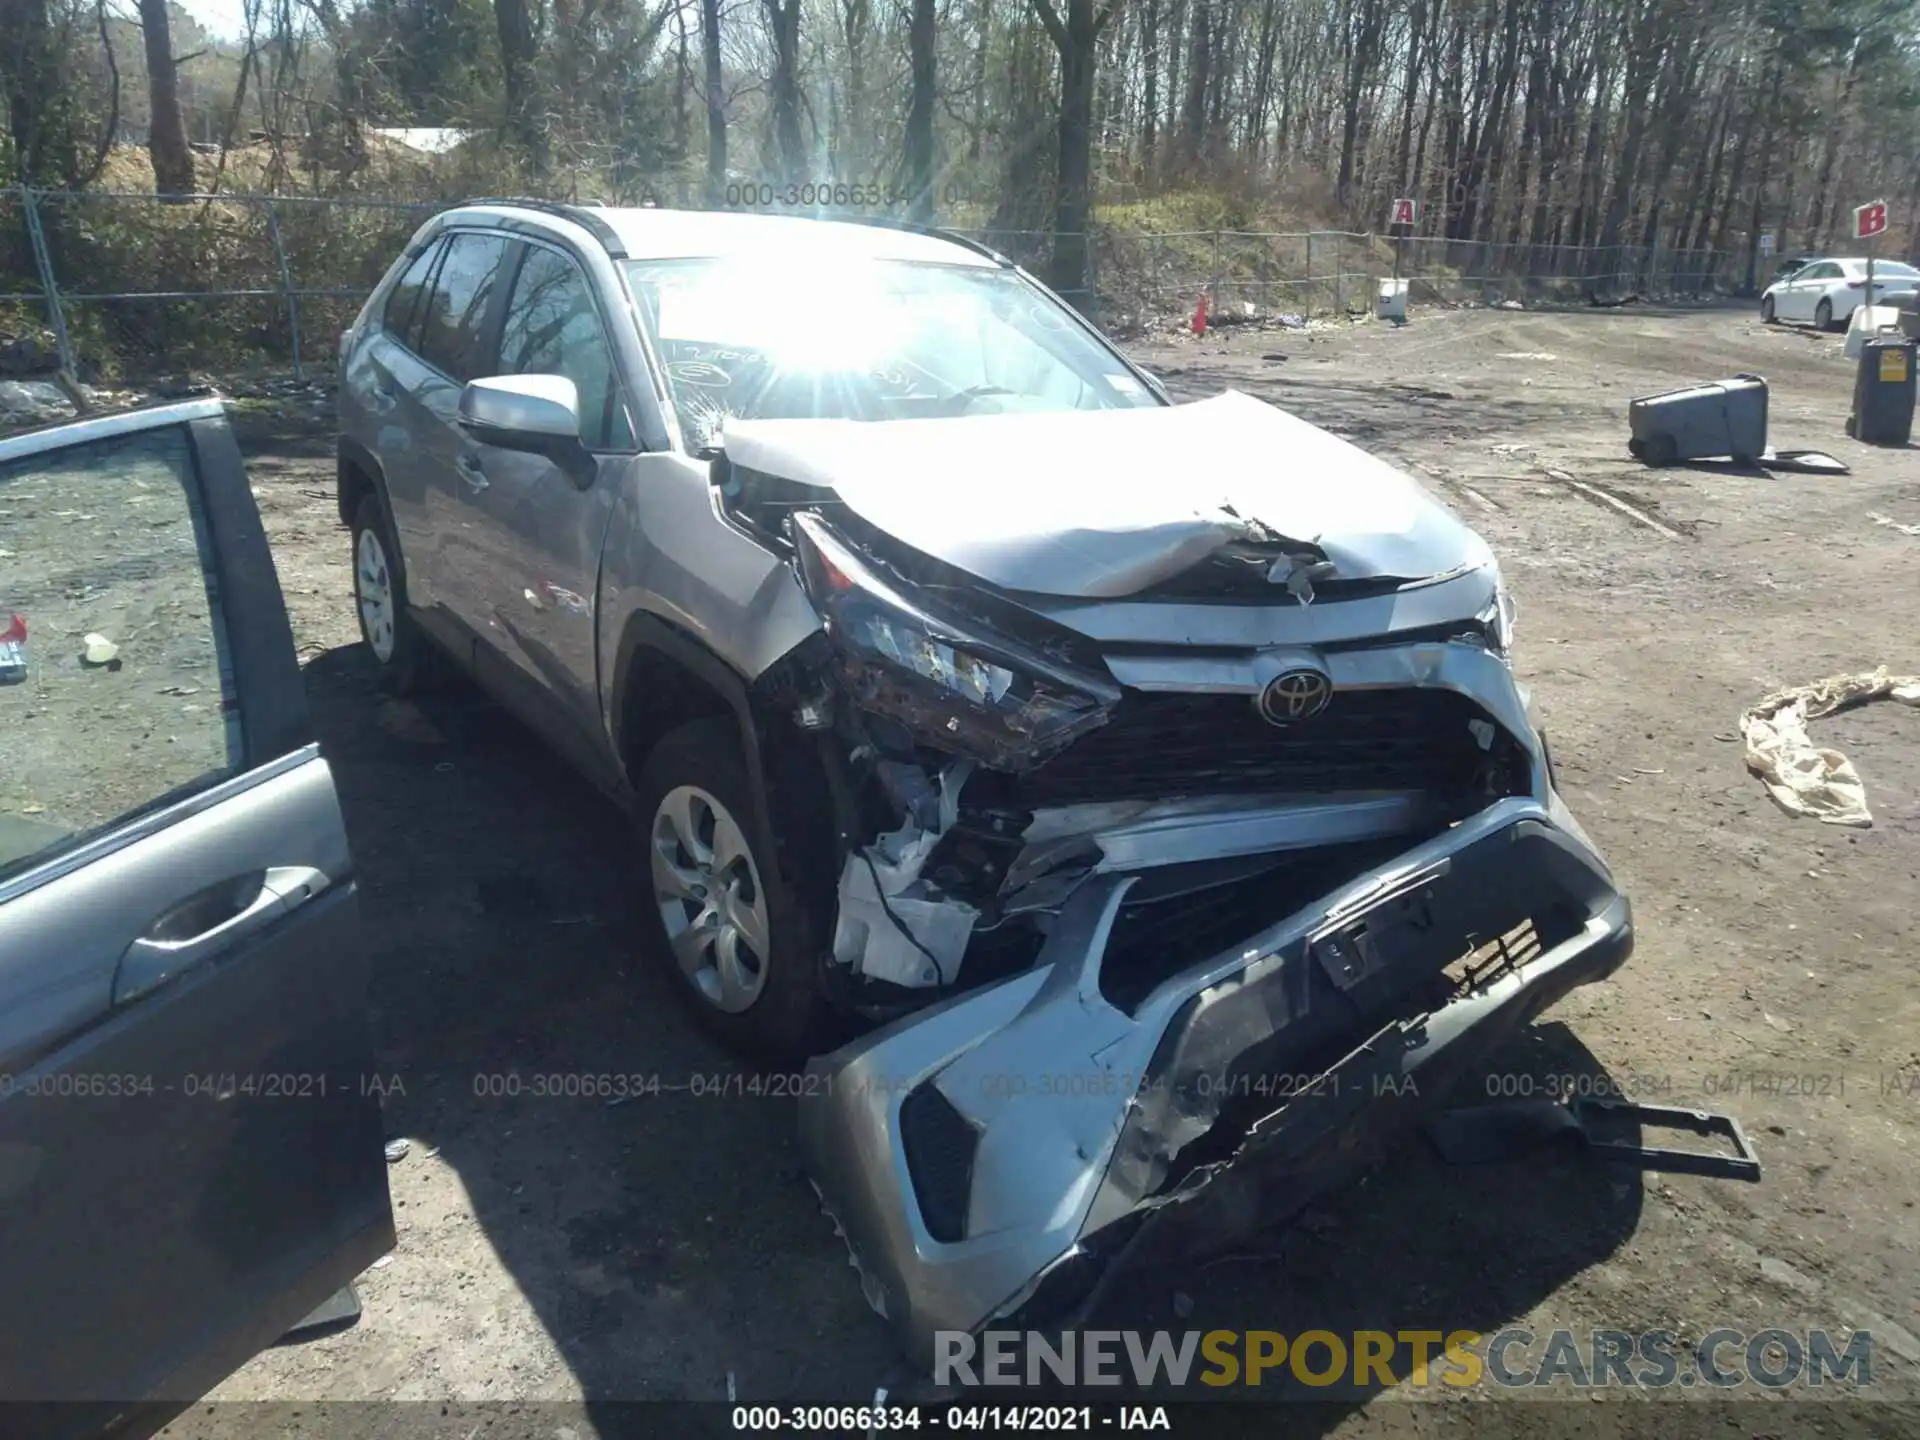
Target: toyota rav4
[{"x": 1122, "y": 801}]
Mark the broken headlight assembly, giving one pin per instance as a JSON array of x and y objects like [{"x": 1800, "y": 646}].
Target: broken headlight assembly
[
  {"x": 1497, "y": 619},
  {"x": 954, "y": 689}
]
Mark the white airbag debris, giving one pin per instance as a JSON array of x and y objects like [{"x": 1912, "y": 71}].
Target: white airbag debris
[
  {"x": 891, "y": 926},
  {"x": 886, "y": 933},
  {"x": 1803, "y": 778}
]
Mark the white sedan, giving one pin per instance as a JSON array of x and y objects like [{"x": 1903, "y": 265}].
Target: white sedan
[{"x": 1825, "y": 292}]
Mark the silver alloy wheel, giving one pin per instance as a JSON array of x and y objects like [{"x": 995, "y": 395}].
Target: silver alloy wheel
[
  {"x": 711, "y": 903},
  {"x": 373, "y": 588}
]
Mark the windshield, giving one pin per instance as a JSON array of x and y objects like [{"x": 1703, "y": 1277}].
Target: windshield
[
  {"x": 866, "y": 340},
  {"x": 1892, "y": 267}
]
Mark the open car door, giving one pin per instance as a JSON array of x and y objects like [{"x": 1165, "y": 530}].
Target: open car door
[{"x": 190, "y": 1151}]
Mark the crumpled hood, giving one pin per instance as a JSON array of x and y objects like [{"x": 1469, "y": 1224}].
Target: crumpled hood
[{"x": 1096, "y": 504}]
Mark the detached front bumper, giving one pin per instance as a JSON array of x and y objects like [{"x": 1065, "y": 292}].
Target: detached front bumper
[{"x": 989, "y": 1159}]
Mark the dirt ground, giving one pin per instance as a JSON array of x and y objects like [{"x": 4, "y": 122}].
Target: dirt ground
[{"x": 571, "y": 1250}]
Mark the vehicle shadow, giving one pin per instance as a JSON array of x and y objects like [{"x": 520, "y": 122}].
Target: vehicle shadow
[
  {"x": 1417, "y": 1245},
  {"x": 646, "y": 1200},
  {"x": 645, "y": 1195}
]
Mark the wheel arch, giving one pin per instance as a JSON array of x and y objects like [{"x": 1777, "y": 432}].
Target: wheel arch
[
  {"x": 357, "y": 475},
  {"x": 664, "y": 678}
]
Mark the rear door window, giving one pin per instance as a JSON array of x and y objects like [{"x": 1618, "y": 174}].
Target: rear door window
[{"x": 453, "y": 328}]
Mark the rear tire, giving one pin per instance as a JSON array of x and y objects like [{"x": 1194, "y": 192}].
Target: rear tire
[
  {"x": 380, "y": 601},
  {"x": 1823, "y": 315},
  {"x": 738, "y": 942}
]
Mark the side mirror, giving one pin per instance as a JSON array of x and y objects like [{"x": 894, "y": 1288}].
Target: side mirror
[{"x": 537, "y": 414}]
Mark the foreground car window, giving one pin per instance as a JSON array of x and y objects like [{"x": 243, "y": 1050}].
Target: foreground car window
[
  {"x": 871, "y": 340},
  {"x": 115, "y": 694}
]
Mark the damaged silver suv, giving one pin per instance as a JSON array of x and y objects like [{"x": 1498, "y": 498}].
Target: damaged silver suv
[{"x": 1137, "y": 794}]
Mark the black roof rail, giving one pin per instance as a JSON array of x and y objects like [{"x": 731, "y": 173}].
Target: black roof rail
[
  {"x": 582, "y": 215},
  {"x": 933, "y": 232}
]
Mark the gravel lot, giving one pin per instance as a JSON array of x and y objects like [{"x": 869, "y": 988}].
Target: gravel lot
[{"x": 568, "y": 1250}]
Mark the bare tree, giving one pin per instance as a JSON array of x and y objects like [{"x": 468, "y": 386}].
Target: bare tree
[
  {"x": 167, "y": 133},
  {"x": 716, "y": 101},
  {"x": 924, "y": 89},
  {"x": 518, "y": 47},
  {"x": 790, "y": 146},
  {"x": 1075, "y": 36}
]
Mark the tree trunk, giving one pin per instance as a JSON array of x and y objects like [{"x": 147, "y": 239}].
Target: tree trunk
[
  {"x": 920, "y": 166},
  {"x": 1193, "y": 112},
  {"x": 1403, "y": 153},
  {"x": 1073, "y": 206},
  {"x": 167, "y": 138},
  {"x": 682, "y": 87},
  {"x": 1677, "y": 101},
  {"x": 1820, "y": 223},
  {"x": 1076, "y": 37},
  {"x": 1363, "y": 46},
  {"x": 1724, "y": 215},
  {"x": 1704, "y": 187},
  {"x": 1640, "y": 73},
  {"x": 783, "y": 86},
  {"x": 716, "y": 103},
  {"x": 977, "y": 122},
  {"x": 1585, "y": 229},
  {"x": 524, "y": 119},
  {"x": 1150, "y": 65},
  {"x": 1176, "y": 27},
  {"x": 29, "y": 74},
  {"x": 856, "y": 24},
  {"x": 1262, "y": 82},
  {"x": 1533, "y": 126},
  {"x": 1766, "y": 170}
]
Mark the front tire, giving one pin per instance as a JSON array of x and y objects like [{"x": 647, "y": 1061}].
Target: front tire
[
  {"x": 1823, "y": 315},
  {"x": 380, "y": 600},
  {"x": 1766, "y": 311},
  {"x": 738, "y": 942}
]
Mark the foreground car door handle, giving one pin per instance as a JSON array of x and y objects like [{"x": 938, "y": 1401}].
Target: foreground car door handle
[
  {"x": 230, "y": 911},
  {"x": 471, "y": 472}
]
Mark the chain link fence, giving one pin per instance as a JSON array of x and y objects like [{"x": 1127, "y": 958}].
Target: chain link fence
[
  {"x": 124, "y": 288},
  {"x": 131, "y": 288},
  {"x": 1322, "y": 272}
]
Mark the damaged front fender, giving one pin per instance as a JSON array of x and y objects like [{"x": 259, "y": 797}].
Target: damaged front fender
[{"x": 998, "y": 1154}]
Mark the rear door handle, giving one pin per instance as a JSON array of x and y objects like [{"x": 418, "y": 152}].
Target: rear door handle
[
  {"x": 151, "y": 961},
  {"x": 471, "y": 472}
]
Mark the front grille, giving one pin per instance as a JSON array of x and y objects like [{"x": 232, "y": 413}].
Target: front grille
[
  {"x": 1162, "y": 933},
  {"x": 1163, "y": 746}
]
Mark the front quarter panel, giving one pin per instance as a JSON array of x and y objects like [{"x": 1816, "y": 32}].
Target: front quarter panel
[{"x": 671, "y": 554}]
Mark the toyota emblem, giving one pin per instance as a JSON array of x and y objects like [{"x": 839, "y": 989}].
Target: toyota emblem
[{"x": 1295, "y": 695}]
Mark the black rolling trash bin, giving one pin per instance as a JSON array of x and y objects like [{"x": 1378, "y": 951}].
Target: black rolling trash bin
[{"x": 1883, "y": 390}]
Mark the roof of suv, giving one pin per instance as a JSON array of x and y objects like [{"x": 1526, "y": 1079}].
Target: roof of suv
[{"x": 656, "y": 234}]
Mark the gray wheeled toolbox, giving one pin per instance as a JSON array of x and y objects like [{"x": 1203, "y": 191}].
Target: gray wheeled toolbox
[{"x": 1702, "y": 422}]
